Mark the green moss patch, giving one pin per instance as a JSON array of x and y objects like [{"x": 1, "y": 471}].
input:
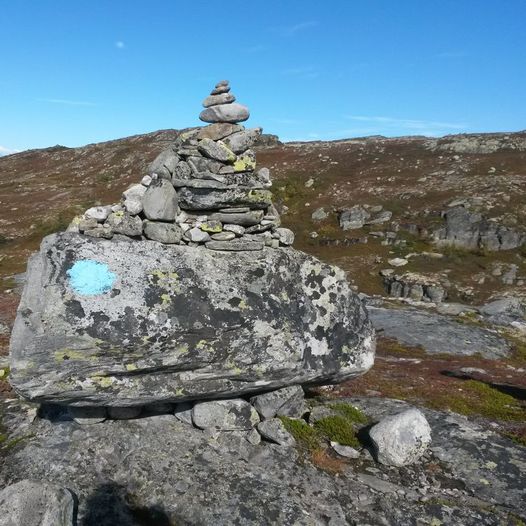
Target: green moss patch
[
  {"x": 349, "y": 412},
  {"x": 339, "y": 429},
  {"x": 306, "y": 436},
  {"x": 478, "y": 398}
]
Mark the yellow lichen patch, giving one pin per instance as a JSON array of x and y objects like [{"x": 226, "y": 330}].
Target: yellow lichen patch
[
  {"x": 244, "y": 163},
  {"x": 203, "y": 345},
  {"x": 165, "y": 299},
  {"x": 169, "y": 281},
  {"x": 131, "y": 367},
  {"x": 211, "y": 228},
  {"x": 70, "y": 354},
  {"x": 242, "y": 305},
  {"x": 102, "y": 381}
]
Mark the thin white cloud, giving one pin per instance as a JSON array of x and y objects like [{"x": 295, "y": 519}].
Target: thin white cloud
[
  {"x": 290, "y": 31},
  {"x": 7, "y": 151},
  {"x": 68, "y": 102},
  {"x": 120, "y": 44},
  {"x": 409, "y": 124}
]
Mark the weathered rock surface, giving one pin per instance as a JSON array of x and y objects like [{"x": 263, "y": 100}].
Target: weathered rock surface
[
  {"x": 158, "y": 470},
  {"x": 122, "y": 323},
  {"x": 33, "y": 503},
  {"x": 436, "y": 333},
  {"x": 401, "y": 439}
]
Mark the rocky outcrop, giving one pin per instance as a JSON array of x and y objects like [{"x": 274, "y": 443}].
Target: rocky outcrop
[
  {"x": 358, "y": 216},
  {"x": 471, "y": 230},
  {"x": 414, "y": 286}
]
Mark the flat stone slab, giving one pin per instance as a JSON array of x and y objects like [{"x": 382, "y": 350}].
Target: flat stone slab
[
  {"x": 436, "y": 333},
  {"x": 123, "y": 323}
]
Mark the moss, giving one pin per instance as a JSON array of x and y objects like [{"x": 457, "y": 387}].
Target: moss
[
  {"x": 338, "y": 428},
  {"x": 349, "y": 412},
  {"x": 306, "y": 436},
  {"x": 478, "y": 398}
]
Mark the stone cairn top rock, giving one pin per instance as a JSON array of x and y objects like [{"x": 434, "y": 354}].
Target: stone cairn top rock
[{"x": 202, "y": 191}]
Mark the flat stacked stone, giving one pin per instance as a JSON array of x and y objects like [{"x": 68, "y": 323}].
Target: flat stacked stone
[{"x": 205, "y": 190}]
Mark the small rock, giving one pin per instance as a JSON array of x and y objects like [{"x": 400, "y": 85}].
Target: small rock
[
  {"x": 288, "y": 401},
  {"x": 345, "y": 451},
  {"x": 146, "y": 180},
  {"x": 125, "y": 224},
  {"x": 216, "y": 150},
  {"x": 220, "y": 98},
  {"x": 225, "y": 415},
  {"x": 218, "y": 131},
  {"x": 88, "y": 415},
  {"x": 232, "y": 113},
  {"x": 401, "y": 439},
  {"x": 168, "y": 233},
  {"x": 183, "y": 412},
  {"x": 319, "y": 214},
  {"x": 274, "y": 430},
  {"x": 160, "y": 201},
  {"x": 236, "y": 245},
  {"x": 164, "y": 164},
  {"x": 397, "y": 262},
  {"x": 285, "y": 236},
  {"x": 196, "y": 235},
  {"x": 243, "y": 140},
  {"x": 98, "y": 213},
  {"x": 238, "y": 230},
  {"x": 223, "y": 236}
]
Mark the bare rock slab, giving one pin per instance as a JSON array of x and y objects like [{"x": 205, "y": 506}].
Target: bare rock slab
[{"x": 122, "y": 323}]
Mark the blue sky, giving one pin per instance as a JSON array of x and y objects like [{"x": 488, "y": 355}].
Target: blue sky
[{"x": 76, "y": 72}]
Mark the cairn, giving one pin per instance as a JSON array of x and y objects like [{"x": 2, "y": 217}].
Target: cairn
[{"x": 204, "y": 191}]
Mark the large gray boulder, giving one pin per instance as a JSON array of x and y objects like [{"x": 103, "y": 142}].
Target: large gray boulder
[
  {"x": 33, "y": 503},
  {"x": 123, "y": 323}
]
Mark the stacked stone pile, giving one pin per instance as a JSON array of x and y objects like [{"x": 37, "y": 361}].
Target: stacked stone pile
[{"x": 204, "y": 190}]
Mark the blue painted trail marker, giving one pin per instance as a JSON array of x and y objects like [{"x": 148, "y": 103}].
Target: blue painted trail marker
[{"x": 89, "y": 277}]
